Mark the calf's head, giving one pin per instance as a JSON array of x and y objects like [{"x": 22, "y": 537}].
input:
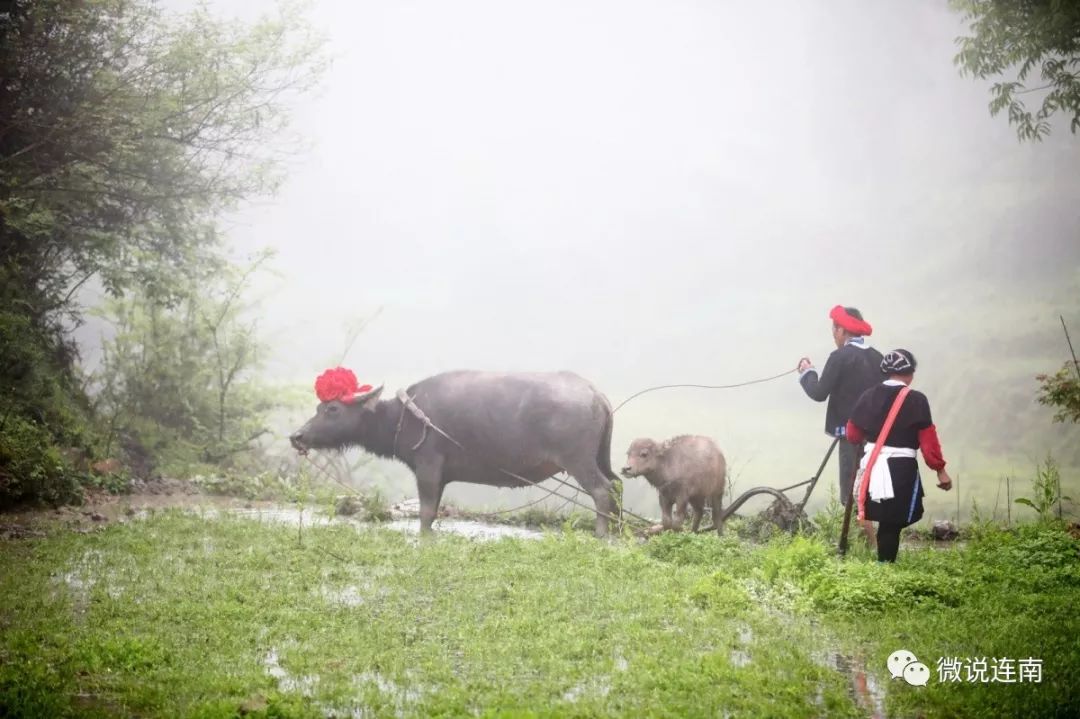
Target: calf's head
[
  {"x": 641, "y": 458},
  {"x": 338, "y": 423}
]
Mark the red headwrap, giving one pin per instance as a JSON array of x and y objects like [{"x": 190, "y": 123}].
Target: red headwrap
[
  {"x": 854, "y": 325},
  {"x": 339, "y": 383}
]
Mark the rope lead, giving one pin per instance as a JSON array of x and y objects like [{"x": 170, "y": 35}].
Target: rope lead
[{"x": 703, "y": 386}]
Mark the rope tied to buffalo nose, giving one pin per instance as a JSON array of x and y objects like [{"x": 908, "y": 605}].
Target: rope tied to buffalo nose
[{"x": 703, "y": 386}]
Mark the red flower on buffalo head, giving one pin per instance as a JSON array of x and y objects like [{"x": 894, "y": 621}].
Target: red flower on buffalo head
[{"x": 339, "y": 383}]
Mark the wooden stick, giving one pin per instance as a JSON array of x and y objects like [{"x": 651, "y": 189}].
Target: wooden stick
[
  {"x": 1075, "y": 362},
  {"x": 842, "y": 547},
  {"x": 1008, "y": 501},
  {"x": 997, "y": 496},
  {"x": 956, "y": 485},
  {"x": 1059, "y": 496}
]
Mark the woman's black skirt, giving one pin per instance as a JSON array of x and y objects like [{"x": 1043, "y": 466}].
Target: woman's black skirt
[{"x": 906, "y": 506}]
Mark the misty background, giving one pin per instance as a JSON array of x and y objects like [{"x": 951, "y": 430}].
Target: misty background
[{"x": 672, "y": 192}]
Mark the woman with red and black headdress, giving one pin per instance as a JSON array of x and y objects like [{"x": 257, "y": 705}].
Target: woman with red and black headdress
[{"x": 889, "y": 489}]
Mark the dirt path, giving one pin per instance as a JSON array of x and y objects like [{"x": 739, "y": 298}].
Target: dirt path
[{"x": 101, "y": 509}]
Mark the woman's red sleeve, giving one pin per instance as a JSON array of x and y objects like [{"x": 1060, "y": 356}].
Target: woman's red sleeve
[
  {"x": 853, "y": 433},
  {"x": 931, "y": 448}
]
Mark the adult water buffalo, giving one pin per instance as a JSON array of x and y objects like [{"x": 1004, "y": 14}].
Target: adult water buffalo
[{"x": 531, "y": 424}]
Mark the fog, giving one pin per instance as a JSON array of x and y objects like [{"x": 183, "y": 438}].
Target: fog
[{"x": 665, "y": 192}]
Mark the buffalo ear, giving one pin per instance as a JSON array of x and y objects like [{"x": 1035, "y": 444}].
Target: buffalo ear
[{"x": 368, "y": 400}]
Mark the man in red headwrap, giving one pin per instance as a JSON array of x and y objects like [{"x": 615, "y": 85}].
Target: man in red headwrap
[{"x": 852, "y": 368}]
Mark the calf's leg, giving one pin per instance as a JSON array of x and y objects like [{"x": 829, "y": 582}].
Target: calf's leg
[
  {"x": 665, "y": 511},
  {"x": 680, "y": 514}
]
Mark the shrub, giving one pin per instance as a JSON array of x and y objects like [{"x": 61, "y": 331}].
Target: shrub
[
  {"x": 32, "y": 468},
  {"x": 1031, "y": 556},
  {"x": 1046, "y": 490},
  {"x": 799, "y": 557},
  {"x": 853, "y": 585},
  {"x": 376, "y": 506},
  {"x": 687, "y": 548},
  {"x": 256, "y": 485},
  {"x": 42, "y": 408},
  {"x": 869, "y": 587},
  {"x": 719, "y": 590},
  {"x": 829, "y": 520}
]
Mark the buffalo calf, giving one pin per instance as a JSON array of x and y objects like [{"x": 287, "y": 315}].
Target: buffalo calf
[{"x": 686, "y": 471}]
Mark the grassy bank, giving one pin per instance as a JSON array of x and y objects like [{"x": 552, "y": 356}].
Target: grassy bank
[{"x": 178, "y": 615}]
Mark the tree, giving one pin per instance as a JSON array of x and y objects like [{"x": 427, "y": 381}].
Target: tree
[
  {"x": 123, "y": 134},
  {"x": 1062, "y": 389},
  {"x": 180, "y": 380},
  {"x": 1012, "y": 38}
]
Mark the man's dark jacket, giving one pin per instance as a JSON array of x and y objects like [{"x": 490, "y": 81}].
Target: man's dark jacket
[{"x": 849, "y": 371}]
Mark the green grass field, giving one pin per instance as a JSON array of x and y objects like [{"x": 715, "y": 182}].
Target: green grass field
[{"x": 191, "y": 616}]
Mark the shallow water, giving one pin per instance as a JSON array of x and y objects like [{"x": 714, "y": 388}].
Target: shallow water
[
  {"x": 863, "y": 685},
  {"x": 350, "y": 596},
  {"x": 83, "y": 576},
  {"x": 739, "y": 658},
  {"x": 286, "y": 681},
  {"x": 599, "y": 686},
  {"x": 466, "y": 528},
  {"x": 308, "y": 517},
  {"x": 621, "y": 664},
  {"x": 403, "y": 697}
]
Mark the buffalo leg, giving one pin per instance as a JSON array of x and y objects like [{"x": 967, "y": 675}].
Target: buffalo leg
[
  {"x": 698, "y": 505},
  {"x": 593, "y": 481},
  {"x": 605, "y": 508},
  {"x": 429, "y": 485},
  {"x": 718, "y": 512}
]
